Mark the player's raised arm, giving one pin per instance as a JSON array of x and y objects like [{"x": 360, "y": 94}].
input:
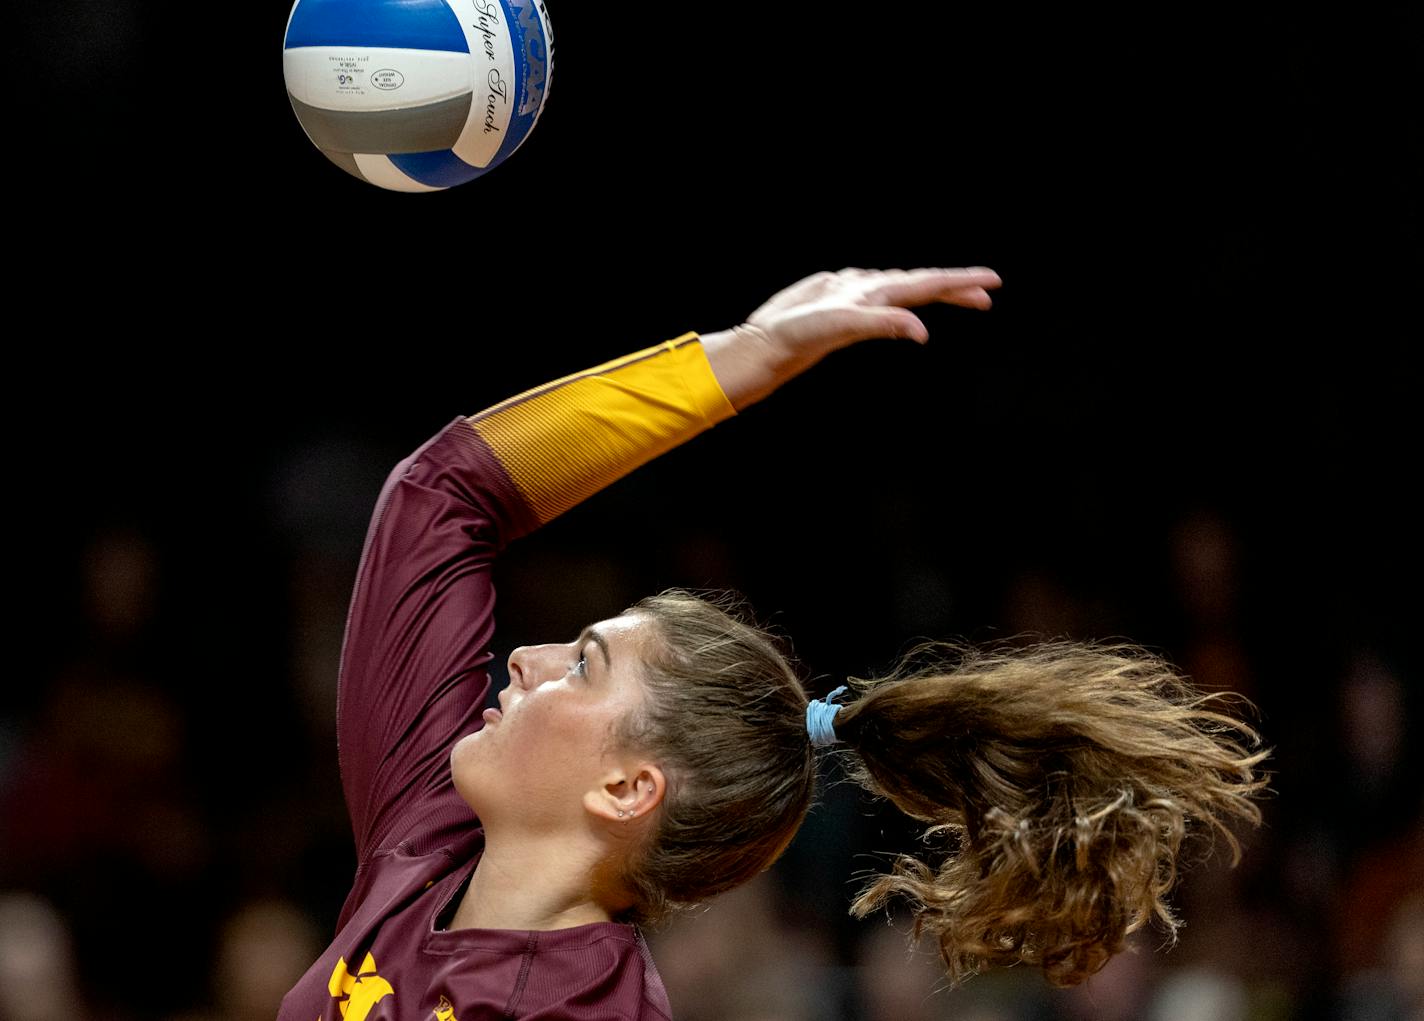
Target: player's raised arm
[{"x": 565, "y": 440}]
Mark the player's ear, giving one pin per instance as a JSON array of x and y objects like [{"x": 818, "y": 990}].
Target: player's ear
[{"x": 627, "y": 793}]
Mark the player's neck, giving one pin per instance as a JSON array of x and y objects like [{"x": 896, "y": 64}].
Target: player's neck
[{"x": 528, "y": 885}]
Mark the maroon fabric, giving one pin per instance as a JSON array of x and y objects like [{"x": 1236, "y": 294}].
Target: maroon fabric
[{"x": 412, "y": 682}]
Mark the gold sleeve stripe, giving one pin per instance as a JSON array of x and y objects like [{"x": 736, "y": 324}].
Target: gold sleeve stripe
[{"x": 564, "y": 441}]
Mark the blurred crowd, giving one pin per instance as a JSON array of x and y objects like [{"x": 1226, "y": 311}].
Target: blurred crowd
[{"x": 173, "y": 843}]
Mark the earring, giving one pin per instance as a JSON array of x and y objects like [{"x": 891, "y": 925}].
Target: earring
[{"x": 621, "y": 813}]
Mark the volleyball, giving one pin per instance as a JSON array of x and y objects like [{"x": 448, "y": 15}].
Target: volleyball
[{"x": 418, "y": 95}]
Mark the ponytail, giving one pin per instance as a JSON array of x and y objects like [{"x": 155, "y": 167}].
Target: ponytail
[{"x": 1066, "y": 776}]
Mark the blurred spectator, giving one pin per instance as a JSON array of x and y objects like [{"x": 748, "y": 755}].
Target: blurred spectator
[
  {"x": 1405, "y": 955},
  {"x": 738, "y": 959},
  {"x": 98, "y": 814},
  {"x": 38, "y": 977},
  {"x": 120, "y": 585},
  {"x": 1204, "y": 559},
  {"x": 898, "y": 982},
  {"x": 1377, "y": 917},
  {"x": 1372, "y": 718},
  {"x": 100, "y": 772},
  {"x": 1198, "y": 995},
  {"x": 99, "y": 806},
  {"x": 1122, "y": 991},
  {"x": 1393, "y": 991},
  {"x": 263, "y": 949}
]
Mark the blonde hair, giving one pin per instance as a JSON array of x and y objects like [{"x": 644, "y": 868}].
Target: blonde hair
[{"x": 1066, "y": 776}]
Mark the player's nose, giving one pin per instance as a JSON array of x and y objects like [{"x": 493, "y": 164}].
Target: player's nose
[
  {"x": 518, "y": 666},
  {"x": 528, "y": 664}
]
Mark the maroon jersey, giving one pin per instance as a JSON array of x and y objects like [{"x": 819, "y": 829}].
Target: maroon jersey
[{"x": 413, "y": 681}]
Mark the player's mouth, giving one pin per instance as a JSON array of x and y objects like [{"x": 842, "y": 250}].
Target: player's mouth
[{"x": 493, "y": 715}]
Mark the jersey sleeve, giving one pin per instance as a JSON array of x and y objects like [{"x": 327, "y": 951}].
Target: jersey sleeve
[{"x": 412, "y": 673}]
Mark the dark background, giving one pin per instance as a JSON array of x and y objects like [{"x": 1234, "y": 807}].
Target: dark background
[{"x": 1190, "y": 420}]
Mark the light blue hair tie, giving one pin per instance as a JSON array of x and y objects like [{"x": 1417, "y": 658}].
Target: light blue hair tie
[{"x": 820, "y": 719}]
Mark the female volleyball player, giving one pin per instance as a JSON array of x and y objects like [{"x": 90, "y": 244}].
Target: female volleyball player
[{"x": 667, "y": 754}]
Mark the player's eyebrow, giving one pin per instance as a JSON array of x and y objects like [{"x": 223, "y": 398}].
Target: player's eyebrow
[{"x": 590, "y": 632}]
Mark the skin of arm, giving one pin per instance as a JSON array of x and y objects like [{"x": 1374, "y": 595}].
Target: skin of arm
[{"x": 800, "y": 325}]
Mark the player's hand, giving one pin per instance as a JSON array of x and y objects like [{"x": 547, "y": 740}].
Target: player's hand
[
  {"x": 828, "y": 311},
  {"x": 798, "y": 326}
]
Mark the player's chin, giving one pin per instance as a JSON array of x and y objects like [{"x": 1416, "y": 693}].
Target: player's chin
[
  {"x": 465, "y": 751},
  {"x": 465, "y": 765}
]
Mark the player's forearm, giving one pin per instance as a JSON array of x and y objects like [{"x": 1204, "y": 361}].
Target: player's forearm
[{"x": 562, "y": 442}]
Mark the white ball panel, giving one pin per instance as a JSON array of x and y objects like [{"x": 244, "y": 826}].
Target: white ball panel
[
  {"x": 361, "y": 78},
  {"x": 379, "y": 170}
]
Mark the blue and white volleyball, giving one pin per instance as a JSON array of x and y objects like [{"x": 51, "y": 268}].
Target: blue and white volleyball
[{"x": 418, "y": 95}]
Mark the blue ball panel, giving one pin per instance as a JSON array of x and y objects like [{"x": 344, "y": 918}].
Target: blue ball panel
[
  {"x": 411, "y": 24},
  {"x": 439, "y": 169}
]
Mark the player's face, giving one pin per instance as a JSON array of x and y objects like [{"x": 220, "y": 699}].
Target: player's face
[{"x": 531, "y": 763}]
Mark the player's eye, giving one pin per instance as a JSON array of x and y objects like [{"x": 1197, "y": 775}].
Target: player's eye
[{"x": 581, "y": 667}]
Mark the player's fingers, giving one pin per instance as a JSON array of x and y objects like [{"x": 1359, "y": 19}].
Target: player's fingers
[
  {"x": 891, "y": 322},
  {"x": 922, "y": 286},
  {"x": 969, "y": 297}
]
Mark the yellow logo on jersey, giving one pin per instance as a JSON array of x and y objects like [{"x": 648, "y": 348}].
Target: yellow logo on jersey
[
  {"x": 445, "y": 1011},
  {"x": 357, "y": 994}
]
